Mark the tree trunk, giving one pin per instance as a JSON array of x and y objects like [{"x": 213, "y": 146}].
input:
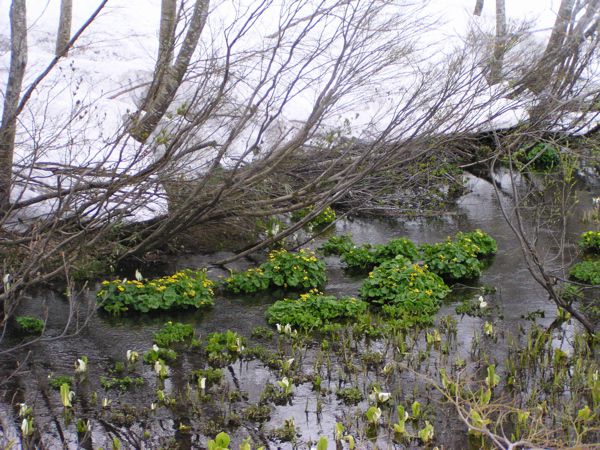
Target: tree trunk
[
  {"x": 166, "y": 44},
  {"x": 64, "y": 27},
  {"x": 168, "y": 79},
  {"x": 499, "y": 44},
  {"x": 18, "y": 62},
  {"x": 544, "y": 70},
  {"x": 478, "y": 8}
]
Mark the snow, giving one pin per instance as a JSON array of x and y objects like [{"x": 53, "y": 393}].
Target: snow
[{"x": 76, "y": 112}]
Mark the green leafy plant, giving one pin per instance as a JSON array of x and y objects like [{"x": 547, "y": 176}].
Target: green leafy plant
[
  {"x": 590, "y": 242},
  {"x": 452, "y": 260},
  {"x": 484, "y": 244},
  {"x": 544, "y": 156},
  {"x": 359, "y": 259},
  {"x": 123, "y": 383},
  {"x": 301, "y": 270},
  {"x": 313, "y": 310},
  {"x": 30, "y": 325},
  {"x": 395, "y": 247},
  {"x": 184, "y": 289},
  {"x": 350, "y": 395},
  {"x": 337, "y": 245},
  {"x": 321, "y": 220},
  {"x": 211, "y": 375},
  {"x": 156, "y": 353},
  {"x": 221, "y": 442},
  {"x": 57, "y": 381},
  {"x": 249, "y": 282},
  {"x": 173, "y": 333},
  {"x": 224, "y": 348},
  {"x": 410, "y": 289},
  {"x": 586, "y": 271}
]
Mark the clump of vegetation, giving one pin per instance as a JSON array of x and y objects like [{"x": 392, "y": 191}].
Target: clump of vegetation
[
  {"x": 224, "y": 348},
  {"x": 544, "y": 156},
  {"x": 122, "y": 383},
  {"x": 586, "y": 271},
  {"x": 262, "y": 333},
  {"x": 30, "y": 325},
  {"x": 257, "y": 413},
  {"x": 359, "y": 259},
  {"x": 590, "y": 242},
  {"x": 184, "y": 289},
  {"x": 337, "y": 245},
  {"x": 452, "y": 260},
  {"x": 156, "y": 353},
  {"x": 173, "y": 333},
  {"x": 313, "y": 310},
  {"x": 211, "y": 375},
  {"x": 349, "y": 396},
  {"x": 474, "y": 307},
  {"x": 249, "y": 282},
  {"x": 483, "y": 244},
  {"x": 399, "y": 246},
  {"x": 301, "y": 270},
  {"x": 56, "y": 382},
  {"x": 406, "y": 288},
  {"x": 365, "y": 257},
  {"x": 321, "y": 220}
]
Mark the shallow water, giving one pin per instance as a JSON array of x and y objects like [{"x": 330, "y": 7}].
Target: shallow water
[{"x": 106, "y": 340}]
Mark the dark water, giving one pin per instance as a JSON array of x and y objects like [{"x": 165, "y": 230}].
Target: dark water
[{"x": 106, "y": 340}]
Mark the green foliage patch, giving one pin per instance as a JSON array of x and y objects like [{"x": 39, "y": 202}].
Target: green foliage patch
[
  {"x": 544, "y": 156},
  {"x": 586, "y": 271},
  {"x": 301, "y": 270},
  {"x": 184, "y": 289},
  {"x": 359, "y": 259},
  {"x": 337, "y": 245},
  {"x": 173, "y": 333},
  {"x": 321, "y": 220},
  {"x": 224, "y": 348},
  {"x": 452, "y": 260},
  {"x": 394, "y": 247},
  {"x": 483, "y": 244},
  {"x": 122, "y": 383},
  {"x": 410, "y": 289},
  {"x": 314, "y": 310},
  {"x": 30, "y": 325},
  {"x": 590, "y": 242}
]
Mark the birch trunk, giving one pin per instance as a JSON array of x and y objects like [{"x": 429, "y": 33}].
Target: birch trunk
[
  {"x": 168, "y": 77},
  {"x": 64, "y": 27},
  {"x": 18, "y": 62},
  {"x": 499, "y": 44}
]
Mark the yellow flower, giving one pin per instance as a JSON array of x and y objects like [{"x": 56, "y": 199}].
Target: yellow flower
[{"x": 120, "y": 288}]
